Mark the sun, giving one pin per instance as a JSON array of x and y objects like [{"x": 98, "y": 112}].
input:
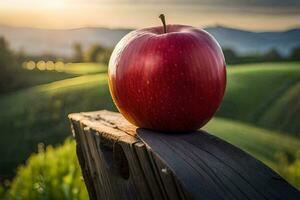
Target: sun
[{"x": 33, "y": 4}]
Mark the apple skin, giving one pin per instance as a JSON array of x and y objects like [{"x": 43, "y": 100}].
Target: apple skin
[{"x": 171, "y": 82}]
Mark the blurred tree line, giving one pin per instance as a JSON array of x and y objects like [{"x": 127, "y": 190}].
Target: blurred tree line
[
  {"x": 13, "y": 77},
  {"x": 272, "y": 55},
  {"x": 95, "y": 53},
  {"x": 98, "y": 53},
  {"x": 11, "y": 73},
  {"x": 9, "y": 66}
]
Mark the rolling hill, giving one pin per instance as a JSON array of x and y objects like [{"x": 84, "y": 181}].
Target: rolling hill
[
  {"x": 264, "y": 94},
  {"x": 39, "y": 114},
  {"x": 40, "y": 41},
  {"x": 284, "y": 113}
]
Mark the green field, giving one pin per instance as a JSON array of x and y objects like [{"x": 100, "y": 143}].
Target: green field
[
  {"x": 28, "y": 78},
  {"x": 260, "y": 94},
  {"x": 263, "y": 144},
  {"x": 284, "y": 114},
  {"x": 84, "y": 68},
  {"x": 39, "y": 114},
  {"x": 53, "y": 173}
]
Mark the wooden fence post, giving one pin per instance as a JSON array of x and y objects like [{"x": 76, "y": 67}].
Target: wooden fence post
[{"x": 121, "y": 161}]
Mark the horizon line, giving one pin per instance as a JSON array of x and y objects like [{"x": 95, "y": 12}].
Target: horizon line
[{"x": 133, "y": 28}]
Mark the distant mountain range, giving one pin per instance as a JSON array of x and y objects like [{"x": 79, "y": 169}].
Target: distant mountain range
[{"x": 59, "y": 42}]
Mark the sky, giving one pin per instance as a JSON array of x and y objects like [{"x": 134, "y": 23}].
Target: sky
[{"x": 256, "y": 15}]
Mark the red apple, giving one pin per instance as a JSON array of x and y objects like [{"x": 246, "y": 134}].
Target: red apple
[{"x": 169, "y": 78}]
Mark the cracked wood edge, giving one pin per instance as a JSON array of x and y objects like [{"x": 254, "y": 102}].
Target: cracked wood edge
[{"x": 146, "y": 180}]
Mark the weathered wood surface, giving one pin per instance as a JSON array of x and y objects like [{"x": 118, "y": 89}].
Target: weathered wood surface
[{"x": 121, "y": 161}]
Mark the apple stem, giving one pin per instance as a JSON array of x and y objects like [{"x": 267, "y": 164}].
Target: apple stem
[{"x": 163, "y": 20}]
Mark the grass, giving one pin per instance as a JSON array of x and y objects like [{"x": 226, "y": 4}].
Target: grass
[
  {"x": 24, "y": 79},
  {"x": 255, "y": 93},
  {"x": 29, "y": 78},
  {"x": 84, "y": 68},
  {"x": 284, "y": 114},
  {"x": 36, "y": 77},
  {"x": 253, "y": 89},
  {"x": 53, "y": 173},
  {"x": 39, "y": 114}
]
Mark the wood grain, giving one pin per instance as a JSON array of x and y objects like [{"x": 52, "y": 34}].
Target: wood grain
[{"x": 121, "y": 161}]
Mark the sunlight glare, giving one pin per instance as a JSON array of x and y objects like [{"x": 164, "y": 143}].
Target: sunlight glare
[
  {"x": 30, "y": 65},
  {"x": 49, "y": 65},
  {"x": 41, "y": 65}
]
